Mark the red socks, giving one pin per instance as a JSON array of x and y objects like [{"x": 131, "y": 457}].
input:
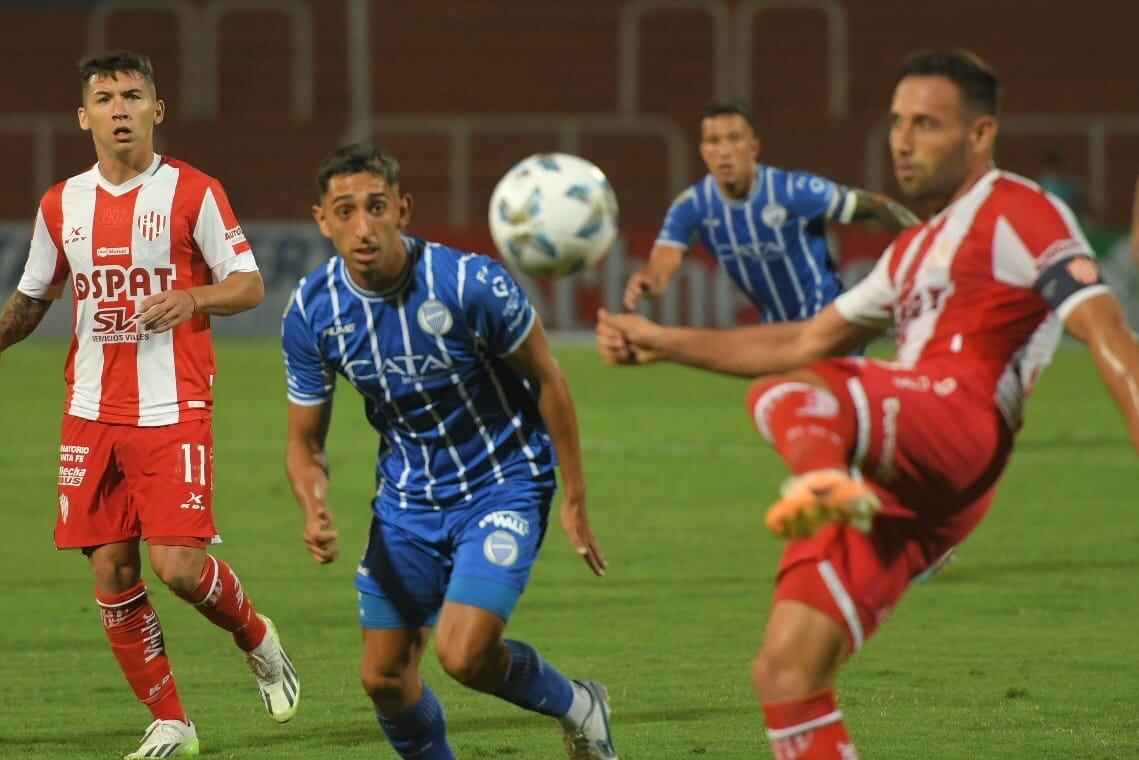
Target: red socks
[
  {"x": 222, "y": 600},
  {"x": 136, "y": 639},
  {"x": 810, "y": 728},
  {"x": 807, "y": 425}
]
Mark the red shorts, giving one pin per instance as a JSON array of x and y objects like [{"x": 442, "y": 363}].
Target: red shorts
[
  {"x": 119, "y": 482},
  {"x": 932, "y": 445}
]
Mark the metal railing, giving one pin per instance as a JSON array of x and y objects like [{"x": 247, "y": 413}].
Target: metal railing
[
  {"x": 198, "y": 31},
  {"x": 731, "y": 79},
  {"x": 569, "y": 128}
]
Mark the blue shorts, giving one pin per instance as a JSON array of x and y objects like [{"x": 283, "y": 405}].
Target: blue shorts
[{"x": 479, "y": 553}]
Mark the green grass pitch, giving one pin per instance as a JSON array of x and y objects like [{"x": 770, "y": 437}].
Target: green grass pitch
[{"x": 1026, "y": 648}]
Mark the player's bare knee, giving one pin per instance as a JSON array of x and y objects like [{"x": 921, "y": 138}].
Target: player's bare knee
[
  {"x": 778, "y": 674},
  {"x": 114, "y": 571},
  {"x": 469, "y": 664},
  {"x": 388, "y": 690}
]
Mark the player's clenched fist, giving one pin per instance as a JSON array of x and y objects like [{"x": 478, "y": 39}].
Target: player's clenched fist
[{"x": 626, "y": 338}]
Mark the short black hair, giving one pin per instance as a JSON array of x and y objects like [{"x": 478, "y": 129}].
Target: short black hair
[
  {"x": 114, "y": 62},
  {"x": 728, "y": 108},
  {"x": 358, "y": 157},
  {"x": 979, "y": 85}
]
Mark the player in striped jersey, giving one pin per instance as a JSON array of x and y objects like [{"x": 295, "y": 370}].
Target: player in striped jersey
[
  {"x": 896, "y": 462},
  {"x": 152, "y": 249},
  {"x": 763, "y": 224},
  {"x": 470, "y": 405}
]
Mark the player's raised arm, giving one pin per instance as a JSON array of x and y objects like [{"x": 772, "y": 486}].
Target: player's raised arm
[
  {"x": 306, "y": 464},
  {"x": 1099, "y": 323},
  {"x": 864, "y": 205},
  {"x": 533, "y": 359},
  {"x": 20, "y": 317},
  {"x": 745, "y": 351}
]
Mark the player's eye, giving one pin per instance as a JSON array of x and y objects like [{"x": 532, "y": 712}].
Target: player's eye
[{"x": 378, "y": 208}]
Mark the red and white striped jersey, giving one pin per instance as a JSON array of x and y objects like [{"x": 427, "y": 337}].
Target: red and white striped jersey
[
  {"x": 170, "y": 227},
  {"x": 961, "y": 286}
]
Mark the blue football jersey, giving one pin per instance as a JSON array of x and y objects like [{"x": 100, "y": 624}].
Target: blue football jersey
[
  {"x": 771, "y": 243},
  {"x": 428, "y": 360}
]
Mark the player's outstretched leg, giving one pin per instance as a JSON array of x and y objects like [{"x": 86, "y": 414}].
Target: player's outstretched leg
[
  {"x": 813, "y": 431},
  {"x": 218, "y": 595},
  {"x": 814, "y": 498},
  {"x": 167, "y": 738}
]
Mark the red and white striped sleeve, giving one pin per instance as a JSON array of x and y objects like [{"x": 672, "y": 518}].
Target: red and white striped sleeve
[
  {"x": 870, "y": 302},
  {"x": 219, "y": 236},
  {"x": 1038, "y": 244},
  {"x": 47, "y": 268}
]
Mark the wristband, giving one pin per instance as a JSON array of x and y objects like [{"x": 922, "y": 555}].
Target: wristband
[{"x": 193, "y": 300}]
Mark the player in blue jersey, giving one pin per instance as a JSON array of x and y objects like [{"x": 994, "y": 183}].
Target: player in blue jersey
[
  {"x": 459, "y": 381},
  {"x": 764, "y": 225}
]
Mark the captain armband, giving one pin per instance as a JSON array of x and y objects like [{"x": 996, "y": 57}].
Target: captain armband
[{"x": 1062, "y": 279}]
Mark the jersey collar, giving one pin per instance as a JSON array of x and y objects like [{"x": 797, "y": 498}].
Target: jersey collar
[{"x": 130, "y": 184}]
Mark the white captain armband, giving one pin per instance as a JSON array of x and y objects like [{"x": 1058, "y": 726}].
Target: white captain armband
[
  {"x": 1062, "y": 279},
  {"x": 846, "y": 202}
]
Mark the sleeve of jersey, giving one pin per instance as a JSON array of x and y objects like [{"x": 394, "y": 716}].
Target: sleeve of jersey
[
  {"x": 869, "y": 303},
  {"x": 310, "y": 381},
  {"x": 681, "y": 221},
  {"x": 1038, "y": 244},
  {"x": 496, "y": 309},
  {"x": 46, "y": 269},
  {"x": 219, "y": 236},
  {"x": 815, "y": 197}
]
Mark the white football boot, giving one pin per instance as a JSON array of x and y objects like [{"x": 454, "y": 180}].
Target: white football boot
[
  {"x": 167, "y": 738},
  {"x": 593, "y": 739},
  {"x": 276, "y": 677}
]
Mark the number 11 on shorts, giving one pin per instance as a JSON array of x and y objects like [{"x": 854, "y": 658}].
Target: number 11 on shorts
[{"x": 188, "y": 462}]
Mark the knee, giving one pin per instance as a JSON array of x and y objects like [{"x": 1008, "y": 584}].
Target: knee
[
  {"x": 115, "y": 574},
  {"x": 182, "y": 575},
  {"x": 387, "y": 689},
  {"x": 470, "y": 665},
  {"x": 779, "y": 673}
]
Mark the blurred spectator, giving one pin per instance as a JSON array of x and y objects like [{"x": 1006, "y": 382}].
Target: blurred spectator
[{"x": 1057, "y": 179}]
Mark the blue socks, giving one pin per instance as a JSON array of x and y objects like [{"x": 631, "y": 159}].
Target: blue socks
[
  {"x": 420, "y": 732},
  {"x": 531, "y": 682}
]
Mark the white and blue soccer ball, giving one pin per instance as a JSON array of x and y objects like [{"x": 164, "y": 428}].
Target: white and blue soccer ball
[{"x": 553, "y": 214}]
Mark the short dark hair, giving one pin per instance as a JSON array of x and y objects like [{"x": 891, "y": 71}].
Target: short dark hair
[
  {"x": 728, "y": 108},
  {"x": 979, "y": 85},
  {"x": 358, "y": 157},
  {"x": 114, "y": 62}
]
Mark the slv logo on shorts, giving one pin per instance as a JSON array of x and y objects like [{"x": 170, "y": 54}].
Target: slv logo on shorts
[
  {"x": 433, "y": 317},
  {"x": 507, "y": 519},
  {"x": 501, "y": 548}
]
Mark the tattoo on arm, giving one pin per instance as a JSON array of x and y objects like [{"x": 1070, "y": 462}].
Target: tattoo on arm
[
  {"x": 885, "y": 209},
  {"x": 20, "y": 316}
]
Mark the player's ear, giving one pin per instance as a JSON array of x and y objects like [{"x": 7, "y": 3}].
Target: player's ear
[
  {"x": 159, "y": 111},
  {"x": 318, "y": 217},
  {"x": 757, "y": 146},
  {"x": 406, "y": 204},
  {"x": 984, "y": 133},
  {"x": 81, "y": 114}
]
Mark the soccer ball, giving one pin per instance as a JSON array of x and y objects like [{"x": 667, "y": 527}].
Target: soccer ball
[{"x": 553, "y": 214}]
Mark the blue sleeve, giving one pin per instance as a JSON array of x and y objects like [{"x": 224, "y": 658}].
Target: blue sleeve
[
  {"x": 812, "y": 196},
  {"x": 681, "y": 221},
  {"x": 495, "y": 308},
  {"x": 310, "y": 380}
]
